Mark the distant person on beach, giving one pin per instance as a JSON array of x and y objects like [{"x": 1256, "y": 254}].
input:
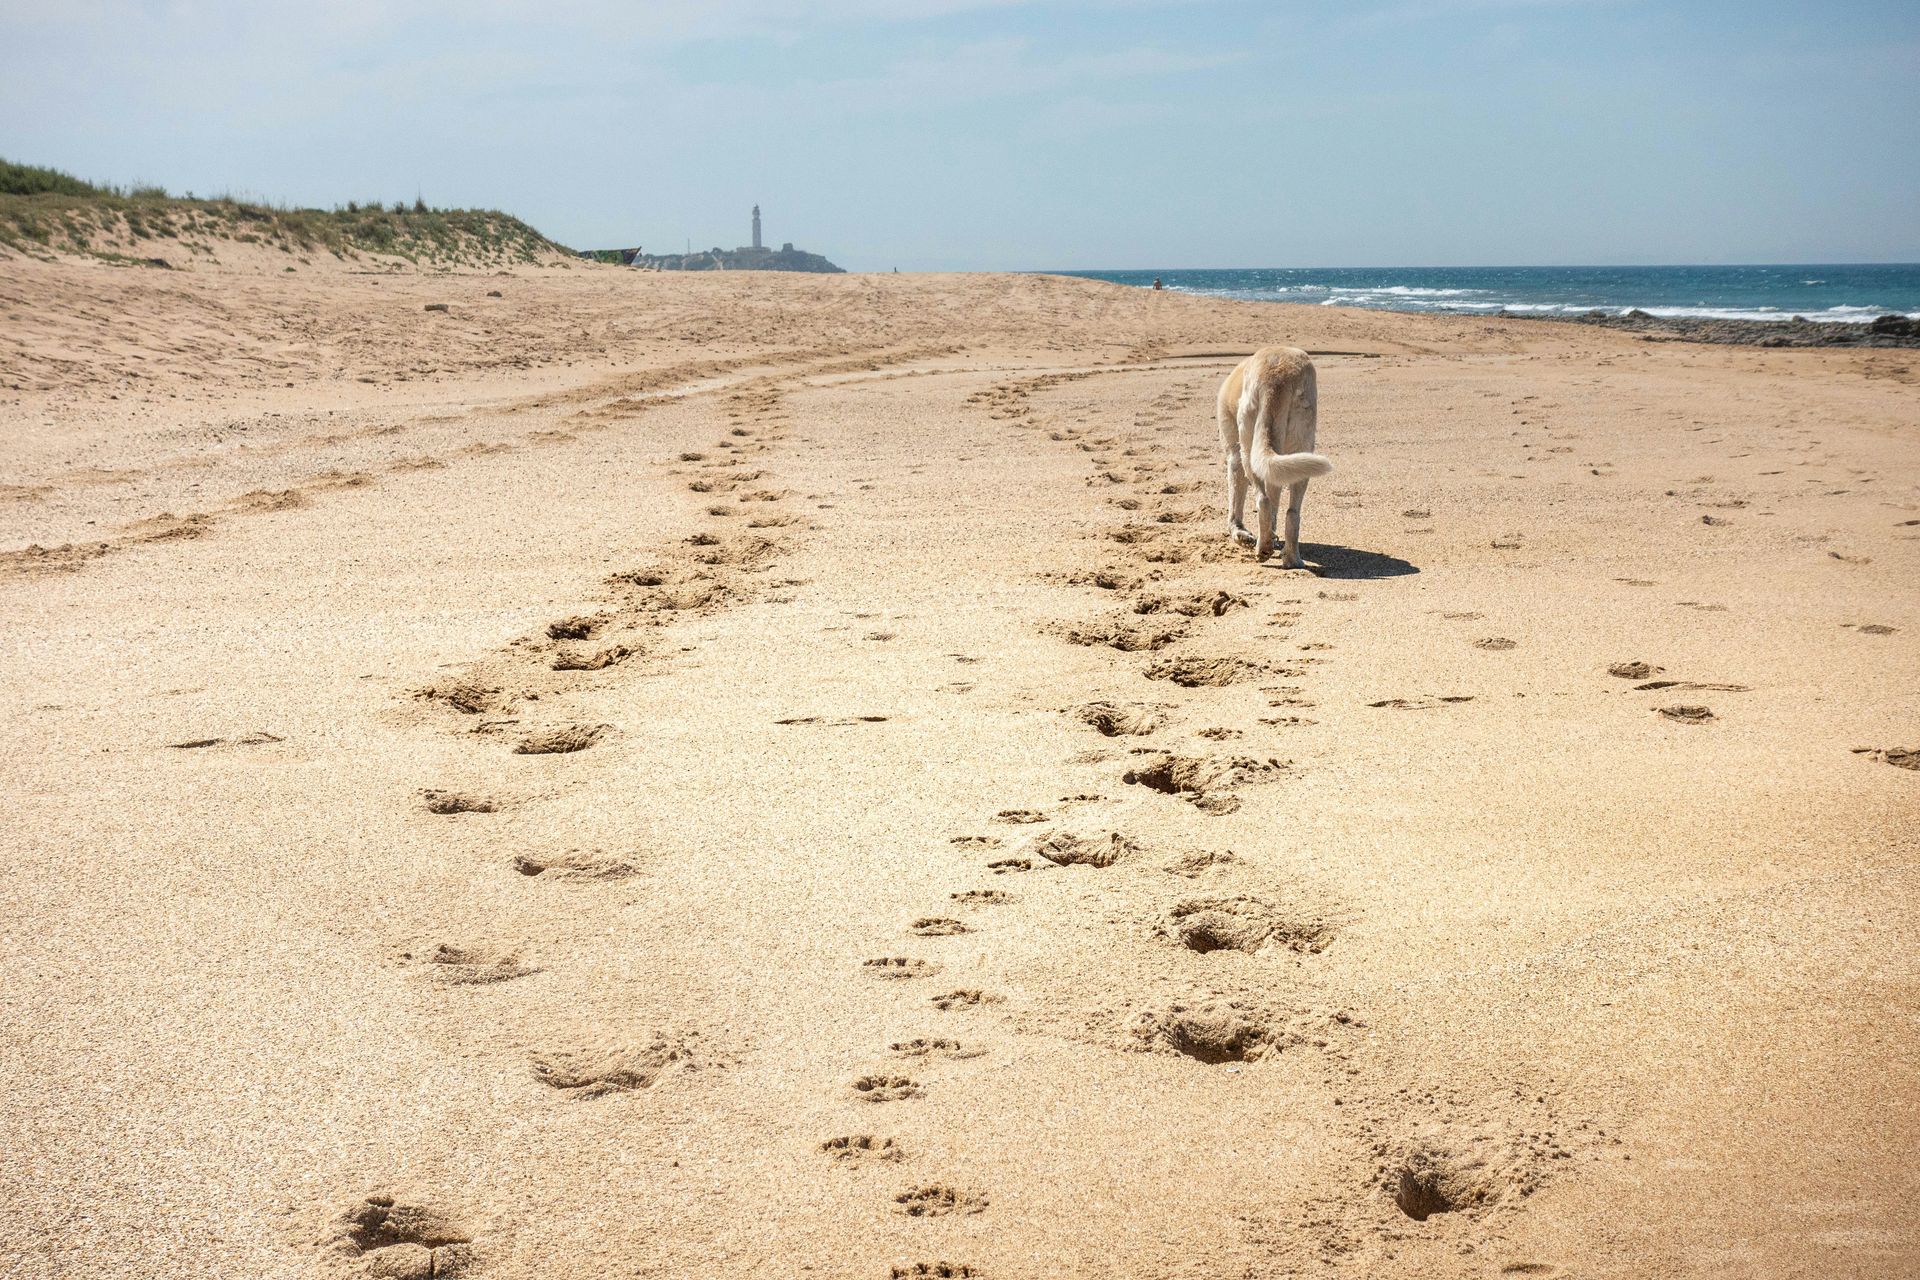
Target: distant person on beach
[{"x": 1157, "y": 284}]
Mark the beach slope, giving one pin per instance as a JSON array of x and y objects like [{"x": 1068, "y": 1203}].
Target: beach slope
[{"x": 572, "y": 772}]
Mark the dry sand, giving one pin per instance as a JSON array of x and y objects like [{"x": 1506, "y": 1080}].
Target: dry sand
[{"x": 742, "y": 775}]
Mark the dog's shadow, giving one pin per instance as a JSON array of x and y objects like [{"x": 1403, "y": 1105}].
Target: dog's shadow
[{"x": 1327, "y": 561}]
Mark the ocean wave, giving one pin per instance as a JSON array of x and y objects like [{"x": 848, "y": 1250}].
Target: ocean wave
[
  {"x": 1832, "y": 315},
  {"x": 1405, "y": 291},
  {"x": 1682, "y": 294}
]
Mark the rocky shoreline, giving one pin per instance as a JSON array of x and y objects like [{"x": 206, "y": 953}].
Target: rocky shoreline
[{"x": 1885, "y": 331}]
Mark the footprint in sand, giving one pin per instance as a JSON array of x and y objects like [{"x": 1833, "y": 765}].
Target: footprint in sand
[
  {"x": 937, "y": 1200},
  {"x": 575, "y": 628},
  {"x": 1128, "y": 719},
  {"x": 560, "y": 739},
  {"x": 575, "y": 864},
  {"x": 1898, "y": 757},
  {"x": 1127, "y": 637},
  {"x": 1440, "y": 1172},
  {"x": 963, "y": 998},
  {"x": 594, "y": 660},
  {"x": 1192, "y": 866},
  {"x": 981, "y": 898},
  {"x": 934, "y": 1271},
  {"x": 402, "y": 1240},
  {"x": 936, "y": 927},
  {"x": 1202, "y": 604},
  {"x": 1632, "y": 670},
  {"x": 1686, "y": 714},
  {"x": 470, "y": 966},
  {"x": 1212, "y": 1031},
  {"x": 894, "y": 968},
  {"x": 862, "y": 1148},
  {"x": 1104, "y": 579},
  {"x": 598, "y": 1072},
  {"x": 1066, "y": 850},
  {"x": 1196, "y": 672},
  {"x": 469, "y": 697},
  {"x": 886, "y": 1088},
  {"x": 450, "y": 802},
  {"x": 934, "y": 1047},
  {"x": 1204, "y": 781},
  {"x": 249, "y": 740},
  {"x": 1247, "y": 925},
  {"x": 1020, "y": 817}
]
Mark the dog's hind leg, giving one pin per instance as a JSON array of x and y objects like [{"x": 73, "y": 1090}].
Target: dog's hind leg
[
  {"x": 1237, "y": 500},
  {"x": 1290, "y": 553},
  {"x": 1269, "y": 499},
  {"x": 1236, "y": 481}
]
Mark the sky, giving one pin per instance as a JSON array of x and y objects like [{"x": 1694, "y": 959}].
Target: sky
[{"x": 997, "y": 134}]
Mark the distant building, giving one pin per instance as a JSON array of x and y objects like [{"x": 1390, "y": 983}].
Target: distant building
[{"x": 753, "y": 257}]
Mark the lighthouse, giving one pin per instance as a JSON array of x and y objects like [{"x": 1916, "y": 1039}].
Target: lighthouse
[{"x": 756, "y": 226}]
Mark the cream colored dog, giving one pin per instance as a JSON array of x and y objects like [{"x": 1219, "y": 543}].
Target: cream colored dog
[{"x": 1266, "y": 415}]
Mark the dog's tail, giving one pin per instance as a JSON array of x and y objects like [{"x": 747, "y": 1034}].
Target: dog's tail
[
  {"x": 1280, "y": 406},
  {"x": 1282, "y": 469}
]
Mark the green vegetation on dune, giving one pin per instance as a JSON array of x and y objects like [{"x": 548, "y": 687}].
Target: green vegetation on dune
[
  {"x": 30, "y": 180},
  {"x": 45, "y": 211}
]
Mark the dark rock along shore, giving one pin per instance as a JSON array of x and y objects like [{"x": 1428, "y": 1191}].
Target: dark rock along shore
[{"x": 1885, "y": 331}]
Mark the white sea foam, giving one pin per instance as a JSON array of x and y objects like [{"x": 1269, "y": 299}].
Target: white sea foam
[
  {"x": 1409, "y": 291},
  {"x": 1832, "y": 315},
  {"x": 1485, "y": 301}
]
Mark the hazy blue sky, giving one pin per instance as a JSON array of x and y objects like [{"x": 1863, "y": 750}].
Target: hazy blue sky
[{"x": 994, "y": 133}]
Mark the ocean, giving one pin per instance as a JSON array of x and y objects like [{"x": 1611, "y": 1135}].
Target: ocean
[{"x": 1839, "y": 294}]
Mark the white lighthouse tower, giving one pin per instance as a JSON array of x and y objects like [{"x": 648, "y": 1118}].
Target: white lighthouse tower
[{"x": 756, "y": 227}]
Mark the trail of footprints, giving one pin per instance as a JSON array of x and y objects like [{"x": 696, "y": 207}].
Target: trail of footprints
[
  {"x": 516, "y": 698},
  {"x": 1419, "y": 1173},
  {"x": 1213, "y": 1027}
]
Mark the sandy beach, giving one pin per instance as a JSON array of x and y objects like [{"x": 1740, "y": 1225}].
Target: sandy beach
[{"x": 683, "y": 775}]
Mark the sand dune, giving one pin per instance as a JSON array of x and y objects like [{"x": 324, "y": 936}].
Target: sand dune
[{"x": 746, "y": 775}]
